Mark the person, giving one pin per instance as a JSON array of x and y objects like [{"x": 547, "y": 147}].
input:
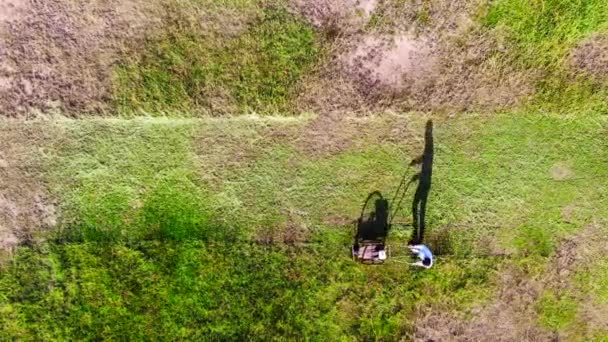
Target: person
[{"x": 424, "y": 254}]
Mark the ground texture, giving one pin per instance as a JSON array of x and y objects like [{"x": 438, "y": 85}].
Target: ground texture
[{"x": 200, "y": 164}]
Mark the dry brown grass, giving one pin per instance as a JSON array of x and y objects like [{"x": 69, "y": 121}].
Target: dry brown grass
[
  {"x": 26, "y": 206},
  {"x": 59, "y": 54},
  {"x": 591, "y": 57},
  {"x": 577, "y": 252},
  {"x": 417, "y": 56},
  {"x": 513, "y": 315},
  {"x": 341, "y": 15},
  {"x": 510, "y": 316}
]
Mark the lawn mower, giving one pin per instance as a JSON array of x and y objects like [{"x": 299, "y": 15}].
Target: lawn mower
[{"x": 377, "y": 220}]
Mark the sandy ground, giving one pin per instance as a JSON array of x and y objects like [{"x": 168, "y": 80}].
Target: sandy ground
[{"x": 11, "y": 10}]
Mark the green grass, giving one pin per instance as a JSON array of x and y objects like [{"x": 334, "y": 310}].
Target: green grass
[
  {"x": 121, "y": 169},
  {"x": 193, "y": 69},
  {"x": 238, "y": 228},
  {"x": 541, "y": 34},
  {"x": 597, "y": 281},
  {"x": 159, "y": 216},
  {"x": 557, "y": 313},
  {"x": 544, "y": 29}
]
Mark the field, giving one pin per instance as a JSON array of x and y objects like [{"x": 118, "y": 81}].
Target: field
[{"x": 194, "y": 173}]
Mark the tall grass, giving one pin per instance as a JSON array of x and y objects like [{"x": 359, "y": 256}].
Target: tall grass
[
  {"x": 543, "y": 33},
  {"x": 191, "y": 69}
]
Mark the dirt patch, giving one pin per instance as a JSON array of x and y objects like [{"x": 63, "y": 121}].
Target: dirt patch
[
  {"x": 430, "y": 56},
  {"x": 367, "y": 6},
  {"x": 390, "y": 64},
  {"x": 575, "y": 255},
  {"x": 58, "y": 54},
  {"x": 22, "y": 215},
  {"x": 577, "y": 251},
  {"x": 26, "y": 207},
  {"x": 591, "y": 57},
  {"x": 560, "y": 172},
  {"x": 594, "y": 315}
]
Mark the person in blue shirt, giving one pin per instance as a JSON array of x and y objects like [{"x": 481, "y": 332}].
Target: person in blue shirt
[{"x": 424, "y": 254}]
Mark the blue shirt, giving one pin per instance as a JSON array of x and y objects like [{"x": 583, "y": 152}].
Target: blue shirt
[{"x": 424, "y": 254}]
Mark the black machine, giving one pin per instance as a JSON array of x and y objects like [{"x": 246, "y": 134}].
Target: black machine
[{"x": 376, "y": 220}]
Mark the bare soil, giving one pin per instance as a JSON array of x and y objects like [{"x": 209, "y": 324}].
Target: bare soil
[
  {"x": 389, "y": 63},
  {"x": 348, "y": 14},
  {"x": 11, "y": 10}
]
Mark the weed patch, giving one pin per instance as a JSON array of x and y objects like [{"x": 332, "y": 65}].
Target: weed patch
[
  {"x": 543, "y": 34},
  {"x": 190, "y": 70}
]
